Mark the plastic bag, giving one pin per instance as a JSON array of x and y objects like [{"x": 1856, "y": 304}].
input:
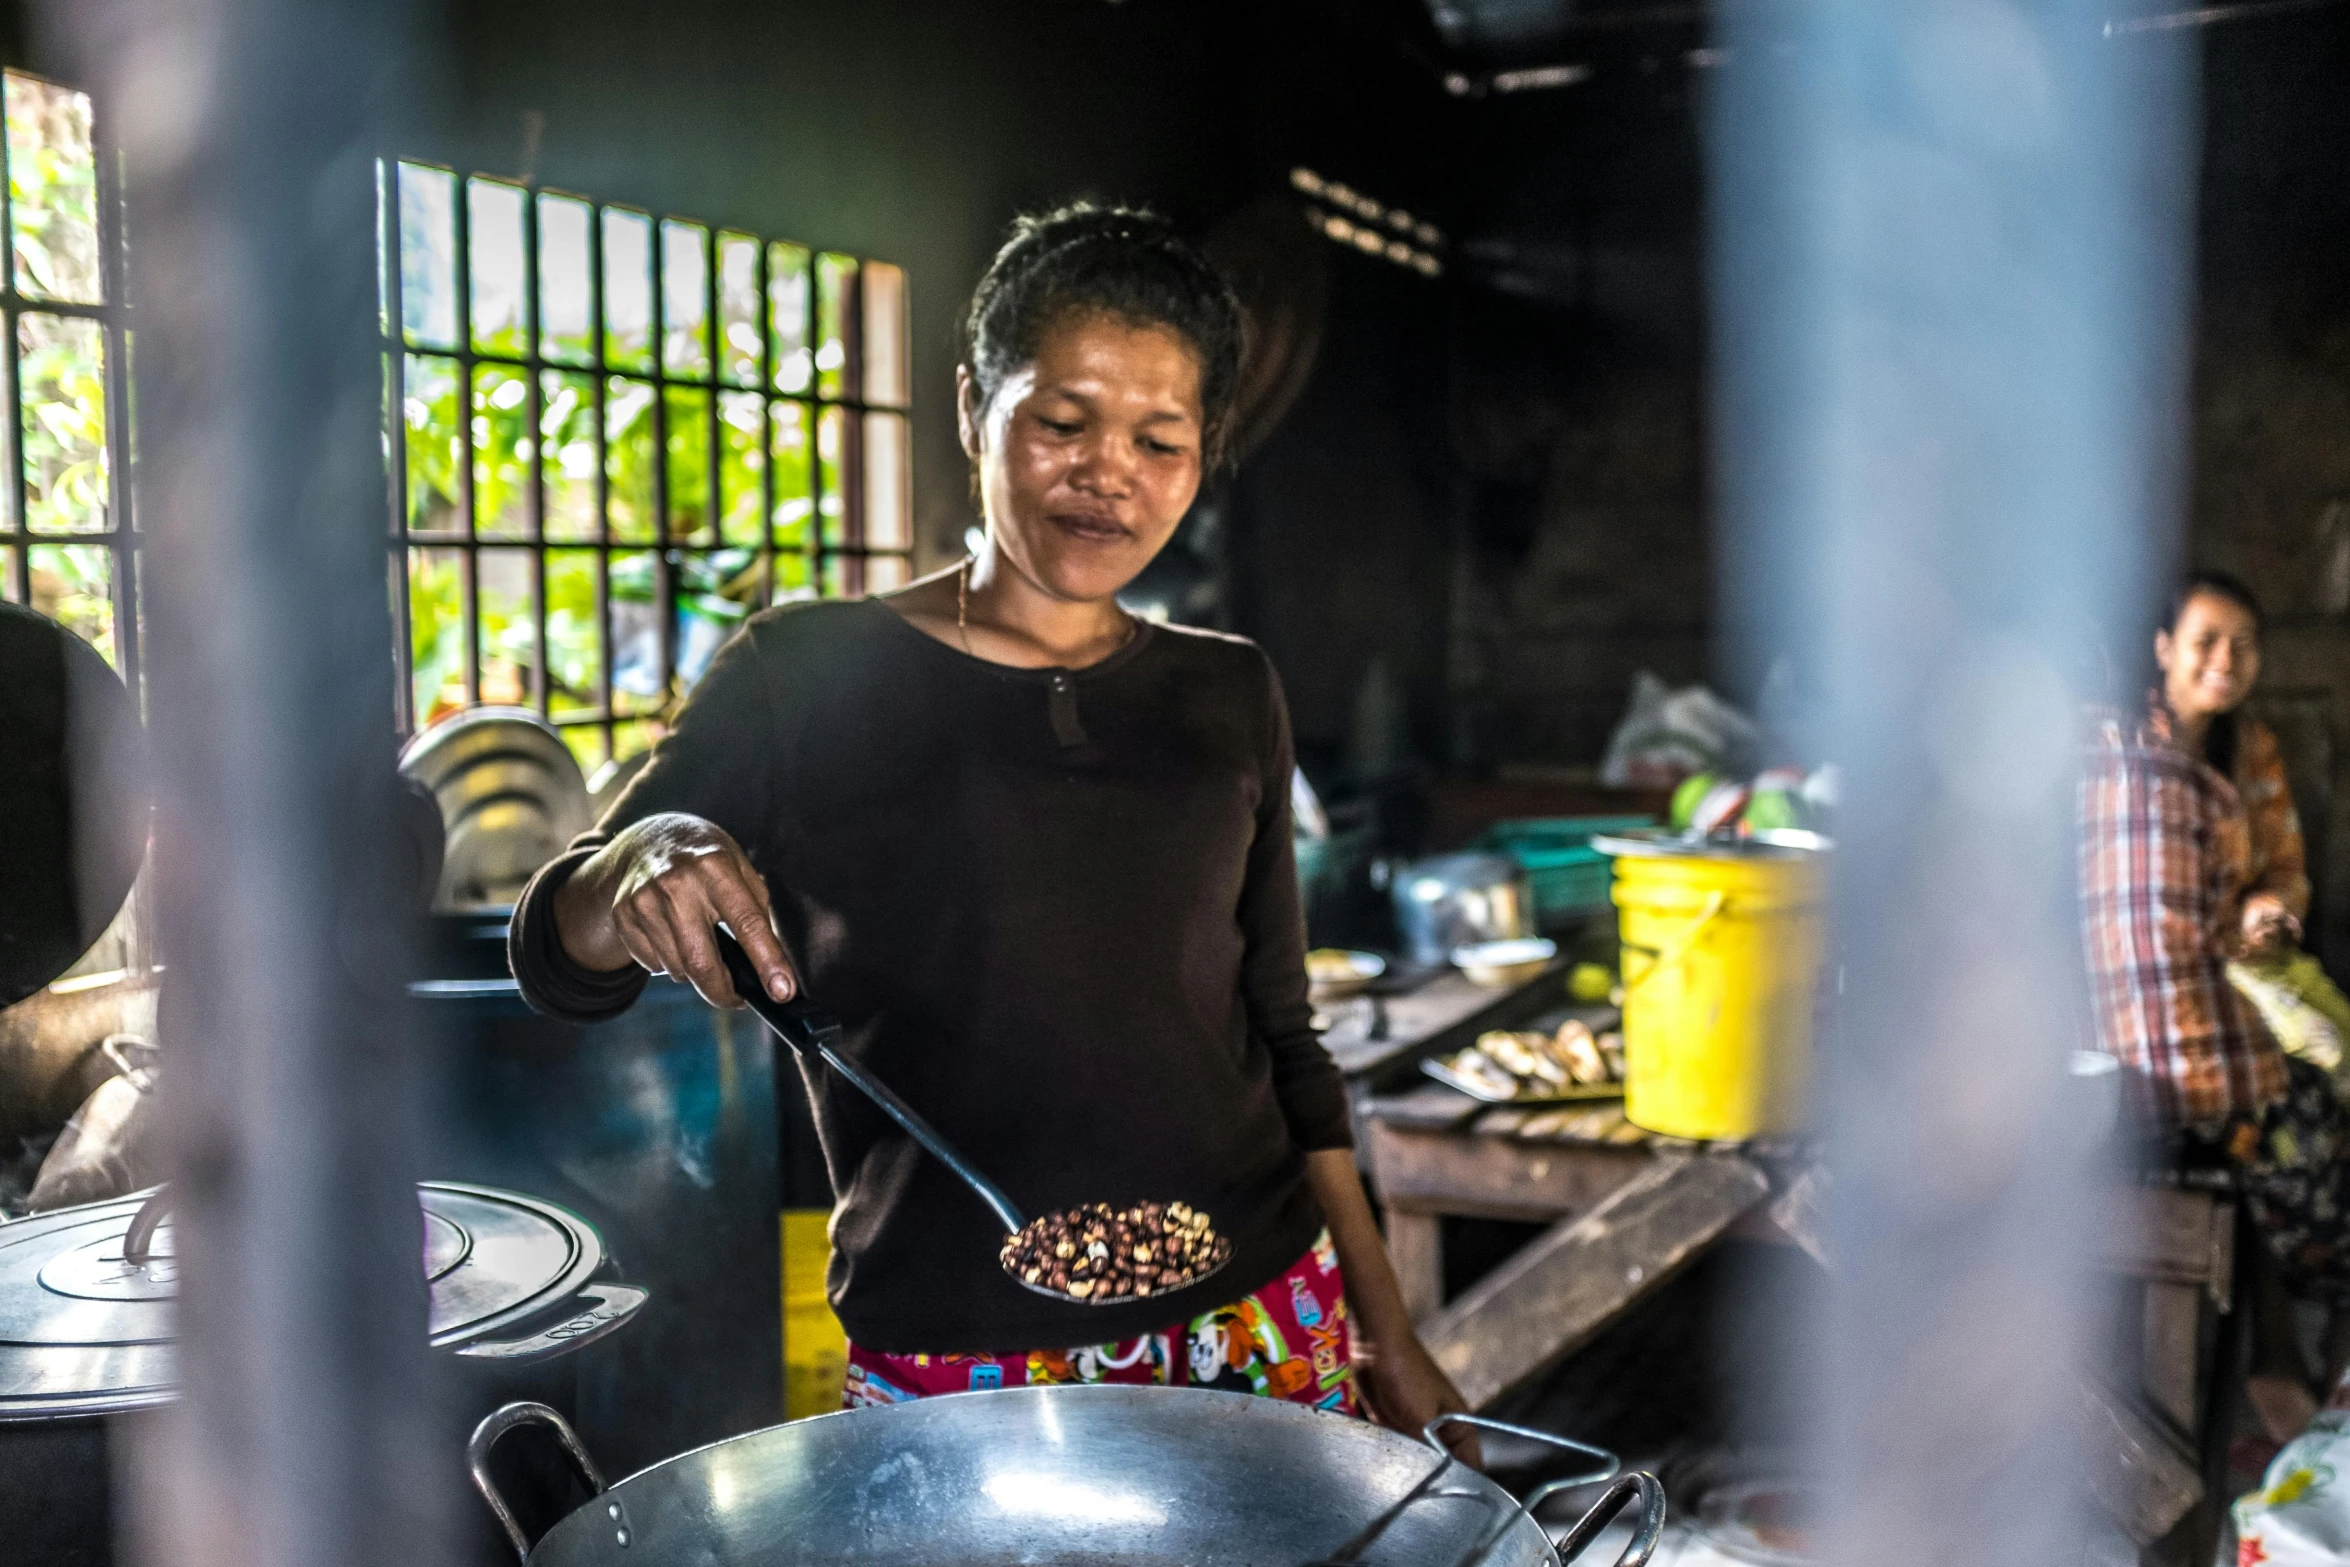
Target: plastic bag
[
  {"x": 1666, "y": 735},
  {"x": 2300, "y": 1516},
  {"x": 2302, "y": 1008}
]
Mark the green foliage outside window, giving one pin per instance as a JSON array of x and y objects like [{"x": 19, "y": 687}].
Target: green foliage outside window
[
  {"x": 60, "y": 550},
  {"x": 617, "y": 435}
]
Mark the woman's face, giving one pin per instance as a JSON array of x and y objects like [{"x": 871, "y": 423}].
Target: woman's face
[
  {"x": 2210, "y": 658},
  {"x": 1090, "y": 455}
]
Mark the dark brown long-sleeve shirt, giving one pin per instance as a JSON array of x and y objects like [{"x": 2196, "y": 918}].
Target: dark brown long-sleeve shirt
[{"x": 1056, "y": 910}]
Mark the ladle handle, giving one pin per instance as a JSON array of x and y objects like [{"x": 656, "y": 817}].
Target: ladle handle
[{"x": 808, "y": 1028}]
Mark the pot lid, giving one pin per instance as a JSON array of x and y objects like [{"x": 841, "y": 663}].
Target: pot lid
[
  {"x": 83, "y": 1331},
  {"x": 1782, "y": 843}
]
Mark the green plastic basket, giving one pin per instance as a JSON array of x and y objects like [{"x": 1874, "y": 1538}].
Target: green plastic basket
[{"x": 1570, "y": 878}]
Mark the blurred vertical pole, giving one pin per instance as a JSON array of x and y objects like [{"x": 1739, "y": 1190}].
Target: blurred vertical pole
[
  {"x": 1951, "y": 276},
  {"x": 249, "y": 131}
]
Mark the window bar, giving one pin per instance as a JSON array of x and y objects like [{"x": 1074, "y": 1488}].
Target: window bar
[
  {"x": 114, "y": 340},
  {"x": 599, "y": 378},
  {"x": 542, "y": 677},
  {"x": 852, "y": 431},
  {"x": 766, "y": 378},
  {"x": 713, "y": 487},
  {"x": 16, "y": 484},
  {"x": 461, "y": 205},
  {"x": 664, "y": 551},
  {"x": 396, "y": 355},
  {"x": 20, "y": 552},
  {"x": 819, "y": 552}
]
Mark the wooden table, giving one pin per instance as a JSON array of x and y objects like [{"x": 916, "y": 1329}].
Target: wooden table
[{"x": 1627, "y": 1211}]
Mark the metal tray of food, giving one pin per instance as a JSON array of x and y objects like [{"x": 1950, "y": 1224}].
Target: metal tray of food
[{"x": 1565, "y": 1065}]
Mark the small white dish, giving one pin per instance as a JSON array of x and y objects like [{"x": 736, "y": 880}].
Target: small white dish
[
  {"x": 1361, "y": 969},
  {"x": 1500, "y": 964}
]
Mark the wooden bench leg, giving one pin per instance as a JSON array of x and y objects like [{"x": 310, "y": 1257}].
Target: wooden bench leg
[
  {"x": 1415, "y": 1244},
  {"x": 2169, "y": 1354},
  {"x": 1581, "y": 1274}
]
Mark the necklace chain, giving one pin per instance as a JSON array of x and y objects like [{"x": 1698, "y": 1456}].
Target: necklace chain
[
  {"x": 963, "y": 603},
  {"x": 963, "y": 609}
]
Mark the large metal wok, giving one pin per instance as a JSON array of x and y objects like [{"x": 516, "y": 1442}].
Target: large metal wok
[{"x": 1071, "y": 1476}]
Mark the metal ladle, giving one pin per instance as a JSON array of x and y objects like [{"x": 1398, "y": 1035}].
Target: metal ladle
[{"x": 808, "y": 1028}]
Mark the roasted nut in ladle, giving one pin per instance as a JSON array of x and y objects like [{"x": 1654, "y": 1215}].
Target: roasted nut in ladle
[{"x": 1098, "y": 1253}]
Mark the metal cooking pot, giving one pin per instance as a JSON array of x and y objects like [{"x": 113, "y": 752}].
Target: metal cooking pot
[
  {"x": 1460, "y": 900},
  {"x": 511, "y": 798},
  {"x": 1117, "y": 1476},
  {"x": 86, "y": 1334}
]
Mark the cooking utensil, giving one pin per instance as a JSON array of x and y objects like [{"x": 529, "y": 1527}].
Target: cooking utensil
[
  {"x": 810, "y": 1030},
  {"x": 511, "y": 798},
  {"x": 1456, "y": 900},
  {"x": 1341, "y": 974},
  {"x": 1081, "y": 1476},
  {"x": 807, "y": 1030},
  {"x": 86, "y": 1293},
  {"x": 86, "y": 1302},
  {"x": 1498, "y": 965}
]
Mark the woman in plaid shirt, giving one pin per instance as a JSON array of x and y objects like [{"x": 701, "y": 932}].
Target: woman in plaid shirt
[{"x": 2191, "y": 857}]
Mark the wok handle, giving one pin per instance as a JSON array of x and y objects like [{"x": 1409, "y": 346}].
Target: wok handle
[
  {"x": 485, "y": 1436},
  {"x": 1542, "y": 1493},
  {"x": 808, "y": 1028},
  {"x": 1644, "y": 1535}
]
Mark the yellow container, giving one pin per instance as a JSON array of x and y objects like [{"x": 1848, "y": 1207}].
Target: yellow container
[{"x": 1722, "y": 950}]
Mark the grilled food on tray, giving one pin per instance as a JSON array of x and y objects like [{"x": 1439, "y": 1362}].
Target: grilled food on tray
[
  {"x": 1510, "y": 1064},
  {"x": 1525, "y": 1055},
  {"x": 1483, "y": 1076}
]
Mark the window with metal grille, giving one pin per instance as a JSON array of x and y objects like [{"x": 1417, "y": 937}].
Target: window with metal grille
[
  {"x": 614, "y": 434},
  {"x": 66, "y": 545}
]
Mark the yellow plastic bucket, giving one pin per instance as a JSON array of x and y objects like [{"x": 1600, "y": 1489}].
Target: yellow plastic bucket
[{"x": 1722, "y": 950}]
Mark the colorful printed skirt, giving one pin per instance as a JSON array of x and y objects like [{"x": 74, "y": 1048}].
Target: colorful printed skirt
[
  {"x": 1287, "y": 1340},
  {"x": 2293, "y": 1165}
]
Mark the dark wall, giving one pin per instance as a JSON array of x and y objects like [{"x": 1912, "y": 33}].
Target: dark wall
[
  {"x": 2272, "y": 434},
  {"x": 2271, "y": 452},
  {"x": 1494, "y": 486},
  {"x": 1579, "y": 405},
  {"x": 1341, "y": 553}
]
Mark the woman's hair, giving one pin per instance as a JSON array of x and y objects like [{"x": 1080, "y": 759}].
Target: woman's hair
[
  {"x": 1121, "y": 262},
  {"x": 2219, "y": 584},
  {"x": 2220, "y": 740}
]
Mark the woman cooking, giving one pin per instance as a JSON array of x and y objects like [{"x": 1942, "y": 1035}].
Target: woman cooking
[
  {"x": 2192, "y": 865},
  {"x": 1035, "y": 852}
]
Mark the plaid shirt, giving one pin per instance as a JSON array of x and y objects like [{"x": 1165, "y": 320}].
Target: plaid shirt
[{"x": 2167, "y": 857}]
